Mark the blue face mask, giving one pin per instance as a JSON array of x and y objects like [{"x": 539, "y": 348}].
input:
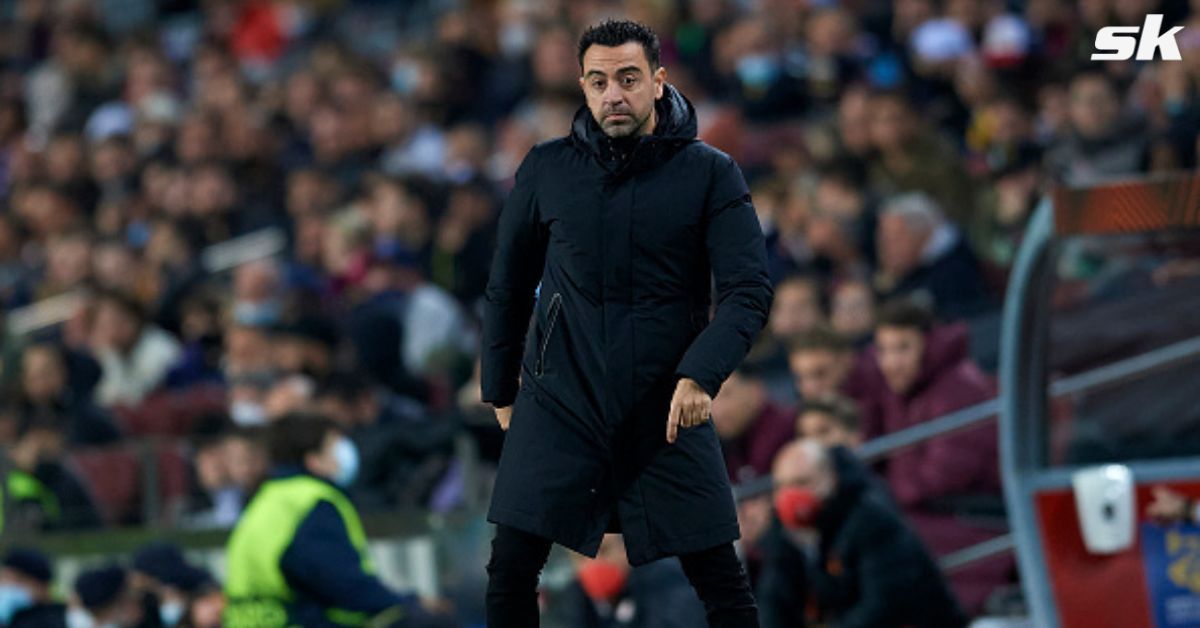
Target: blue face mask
[
  {"x": 170, "y": 613},
  {"x": 261, "y": 314},
  {"x": 757, "y": 71},
  {"x": 346, "y": 455},
  {"x": 13, "y": 599}
]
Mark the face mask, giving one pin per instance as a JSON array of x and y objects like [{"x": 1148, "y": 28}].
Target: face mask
[
  {"x": 170, "y": 613},
  {"x": 262, "y": 314},
  {"x": 797, "y": 507},
  {"x": 346, "y": 455},
  {"x": 601, "y": 580},
  {"x": 516, "y": 39},
  {"x": 79, "y": 618},
  {"x": 404, "y": 77},
  {"x": 757, "y": 71},
  {"x": 13, "y": 599},
  {"x": 247, "y": 413}
]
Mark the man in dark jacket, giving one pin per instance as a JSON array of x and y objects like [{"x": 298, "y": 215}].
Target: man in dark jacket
[
  {"x": 608, "y": 593},
  {"x": 625, "y": 222},
  {"x": 841, "y": 554},
  {"x": 924, "y": 256}
]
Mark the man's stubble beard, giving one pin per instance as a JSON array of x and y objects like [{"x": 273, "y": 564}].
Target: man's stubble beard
[{"x": 619, "y": 130}]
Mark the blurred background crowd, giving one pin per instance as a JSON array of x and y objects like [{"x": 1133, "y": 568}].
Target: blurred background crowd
[{"x": 214, "y": 212}]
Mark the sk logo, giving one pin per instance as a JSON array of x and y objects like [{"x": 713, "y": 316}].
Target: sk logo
[{"x": 1120, "y": 42}]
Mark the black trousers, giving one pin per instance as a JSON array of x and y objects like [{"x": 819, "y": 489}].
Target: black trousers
[{"x": 518, "y": 558}]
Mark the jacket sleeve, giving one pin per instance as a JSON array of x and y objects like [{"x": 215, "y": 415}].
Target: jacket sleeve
[
  {"x": 323, "y": 564},
  {"x": 508, "y": 300},
  {"x": 738, "y": 255}
]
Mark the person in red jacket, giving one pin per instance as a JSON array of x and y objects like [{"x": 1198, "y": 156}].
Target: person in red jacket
[{"x": 928, "y": 373}]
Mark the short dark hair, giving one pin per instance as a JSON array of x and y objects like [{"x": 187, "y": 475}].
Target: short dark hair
[
  {"x": 297, "y": 434},
  {"x": 613, "y": 33},
  {"x": 843, "y": 411},
  {"x": 904, "y": 314},
  {"x": 821, "y": 338},
  {"x": 124, "y": 302}
]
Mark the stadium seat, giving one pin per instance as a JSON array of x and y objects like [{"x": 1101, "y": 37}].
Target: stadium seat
[{"x": 114, "y": 477}]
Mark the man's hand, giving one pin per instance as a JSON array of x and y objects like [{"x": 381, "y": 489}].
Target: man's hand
[
  {"x": 1168, "y": 506},
  {"x": 503, "y": 416},
  {"x": 690, "y": 407}
]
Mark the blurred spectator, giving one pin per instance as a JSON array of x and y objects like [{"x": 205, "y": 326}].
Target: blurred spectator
[
  {"x": 797, "y": 307},
  {"x": 1103, "y": 141},
  {"x": 852, "y": 310},
  {"x": 608, "y": 593},
  {"x": 824, "y": 366},
  {"x": 404, "y": 454},
  {"x": 258, "y": 292},
  {"x": 43, "y": 494},
  {"x": 924, "y": 256},
  {"x": 228, "y": 469},
  {"x": 406, "y": 328},
  {"x": 832, "y": 422},
  {"x": 25, "y": 596},
  {"x": 912, "y": 158},
  {"x": 929, "y": 374},
  {"x": 166, "y": 584},
  {"x": 997, "y": 229},
  {"x": 752, "y": 428},
  {"x": 106, "y": 598},
  {"x": 841, "y": 229},
  {"x": 305, "y": 346},
  {"x": 46, "y": 394},
  {"x": 135, "y": 356},
  {"x": 841, "y": 554}
]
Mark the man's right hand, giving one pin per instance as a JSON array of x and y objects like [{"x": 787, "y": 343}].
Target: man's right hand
[{"x": 503, "y": 416}]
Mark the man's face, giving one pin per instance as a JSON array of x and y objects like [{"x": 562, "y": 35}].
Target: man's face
[
  {"x": 899, "y": 246},
  {"x": 824, "y": 429},
  {"x": 42, "y": 375},
  {"x": 1094, "y": 106},
  {"x": 900, "y": 351},
  {"x": 38, "y": 591},
  {"x": 819, "y": 373},
  {"x": 852, "y": 310},
  {"x": 621, "y": 88},
  {"x": 796, "y": 309},
  {"x": 795, "y": 468},
  {"x": 890, "y": 124}
]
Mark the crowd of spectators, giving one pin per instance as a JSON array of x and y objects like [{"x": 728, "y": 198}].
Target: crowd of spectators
[{"x": 213, "y": 212}]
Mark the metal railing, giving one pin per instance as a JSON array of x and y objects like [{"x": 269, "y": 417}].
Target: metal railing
[{"x": 1112, "y": 374}]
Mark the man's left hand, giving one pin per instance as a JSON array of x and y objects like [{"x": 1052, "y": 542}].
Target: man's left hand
[{"x": 690, "y": 406}]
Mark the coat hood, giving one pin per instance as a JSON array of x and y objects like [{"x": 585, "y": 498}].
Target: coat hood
[
  {"x": 946, "y": 347},
  {"x": 676, "y": 127}
]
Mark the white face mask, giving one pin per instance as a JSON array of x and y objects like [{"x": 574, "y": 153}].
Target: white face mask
[
  {"x": 247, "y": 413},
  {"x": 170, "y": 613},
  {"x": 79, "y": 618}
]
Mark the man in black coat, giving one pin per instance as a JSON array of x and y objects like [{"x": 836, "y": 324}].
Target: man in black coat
[
  {"x": 625, "y": 223},
  {"x": 840, "y": 553}
]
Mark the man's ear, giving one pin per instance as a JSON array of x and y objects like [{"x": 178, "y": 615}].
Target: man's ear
[{"x": 660, "y": 80}]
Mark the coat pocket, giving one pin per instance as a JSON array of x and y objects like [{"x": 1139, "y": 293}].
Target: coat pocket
[{"x": 551, "y": 318}]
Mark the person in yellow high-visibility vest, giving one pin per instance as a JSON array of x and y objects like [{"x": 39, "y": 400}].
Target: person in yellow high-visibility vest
[{"x": 298, "y": 555}]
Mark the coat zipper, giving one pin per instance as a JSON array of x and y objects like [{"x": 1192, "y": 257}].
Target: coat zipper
[{"x": 552, "y": 317}]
